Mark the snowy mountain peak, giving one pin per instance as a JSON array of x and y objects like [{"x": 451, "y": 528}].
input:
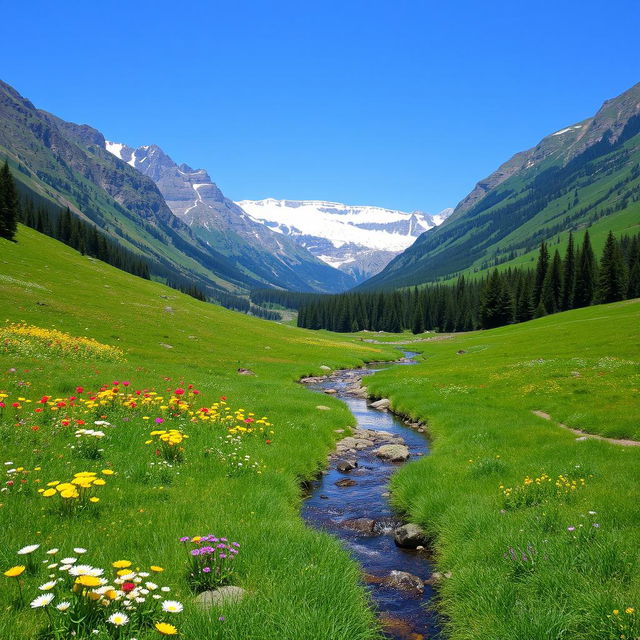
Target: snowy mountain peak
[{"x": 358, "y": 239}]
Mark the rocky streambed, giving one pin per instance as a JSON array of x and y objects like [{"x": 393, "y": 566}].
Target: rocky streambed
[{"x": 351, "y": 501}]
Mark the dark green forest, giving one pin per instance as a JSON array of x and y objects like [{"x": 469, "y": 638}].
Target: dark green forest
[{"x": 558, "y": 283}]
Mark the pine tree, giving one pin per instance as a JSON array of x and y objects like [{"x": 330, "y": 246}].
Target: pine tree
[
  {"x": 633, "y": 289},
  {"x": 9, "y": 204},
  {"x": 552, "y": 285},
  {"x": 541, "y": 272},
  {"x": 568, "y": 275},
  {"x": 585, "y": 275},
  {"x": 496, "y": 306},
  {"x": 612, "y": 279}
]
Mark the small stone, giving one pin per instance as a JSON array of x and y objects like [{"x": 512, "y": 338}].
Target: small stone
[
  {"x": 331, "y": 391},
  {"x": 168, "y": 309},
  {"x": 385, "y": 403},
  {"x": 346, "y": 465},
  {"x": 323, "y": 408},
  {"x": 404, "y": 580},
  {"x": 325, "y": 368},
  {"x": 220, "y": 596},
  {"x": 323, "y": 497},
  {"x": 460, "y": 352},
  {"x": 245, "y": 372},
  {"x": 345, "y": 482},
  {"x": 363, "y": 525},
  {"x": 166, "y": 346}
]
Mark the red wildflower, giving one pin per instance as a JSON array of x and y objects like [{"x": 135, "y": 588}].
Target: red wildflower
[
  {"x": 79, "y": 389},
  {"x": 15, "y": 405},
  {"x": 44, "y": 399},
  {"x": 128, "y": 586},
  {"x": 35, "y": 428},
  {"x": 179, "y": 392},
  {"x": 267, "y": 441}
]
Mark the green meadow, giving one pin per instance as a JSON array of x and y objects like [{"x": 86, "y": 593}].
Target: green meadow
[
  {"x": 538, "y": 527},
  {"x": 300, "y": 583},
  {"x": 538, "y": 530}
]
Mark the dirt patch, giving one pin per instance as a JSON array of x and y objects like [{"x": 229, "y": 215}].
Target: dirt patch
[{"x": 583, "y": 435}]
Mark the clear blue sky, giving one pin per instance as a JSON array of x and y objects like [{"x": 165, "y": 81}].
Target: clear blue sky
[{"x": 403, "y": 104}]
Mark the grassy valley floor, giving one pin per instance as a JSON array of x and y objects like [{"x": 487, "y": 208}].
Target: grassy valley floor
[
  {"x": 539, "y": 526},
  {"x": 300, "y": 583}
]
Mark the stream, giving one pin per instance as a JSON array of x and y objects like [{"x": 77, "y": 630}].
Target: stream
[{"x": 347, "y": 509}]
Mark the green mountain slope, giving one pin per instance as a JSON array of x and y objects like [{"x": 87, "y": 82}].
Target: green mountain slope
[{"x": 585, "y": 174}]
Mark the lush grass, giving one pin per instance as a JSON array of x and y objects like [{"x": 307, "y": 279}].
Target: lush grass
[
  {"x": 583, "y": 368},
  {"x": 301, "y": 583}
]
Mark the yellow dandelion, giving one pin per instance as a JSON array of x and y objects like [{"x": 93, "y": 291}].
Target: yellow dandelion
[
  {"x": 121, "y": 564},
  {"x": 155, "y": 568},
  {"x": 166, "y": 629},
  {"x": 14, "y": 572},
  {"x": 88, "y": 581}
]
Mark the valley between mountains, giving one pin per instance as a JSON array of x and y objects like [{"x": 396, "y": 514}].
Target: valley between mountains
[{"x": 164, "y": 473}]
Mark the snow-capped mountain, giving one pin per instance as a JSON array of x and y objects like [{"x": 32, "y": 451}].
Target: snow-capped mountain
[
  {"x": 359, "y": 240},
  {"x": 270, "y": 258}
]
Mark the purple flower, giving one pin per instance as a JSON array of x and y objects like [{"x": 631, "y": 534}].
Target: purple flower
[
  {"x": 221, "y": 618},
  {"x": 235, "y": 544},
  {"x": 223, "y": 555},
  {"x": 159, "y": 420},
  {"x": 223, "y": 539},
  {"x": 195, "y": 552},
  {"x": 185, "y": 539},
  {"x": 221, "y": 546},
  {"x": 571, "y": 528},
  {"x": 206, "y": 570}
]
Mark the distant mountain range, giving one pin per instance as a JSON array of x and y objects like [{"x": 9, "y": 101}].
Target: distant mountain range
[
  {"x": 584, "y": 174},
  {"x": 261, "y": 254},
  {"x": 359, "y": 240}
]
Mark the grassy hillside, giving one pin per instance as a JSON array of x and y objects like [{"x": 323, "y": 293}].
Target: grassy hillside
[
  {"x": 570, "y": 180},
  {"x": 530, "y": 556},
  {"x": 301, "y": 584}
]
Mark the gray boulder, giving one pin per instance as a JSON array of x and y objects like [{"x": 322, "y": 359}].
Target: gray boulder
[
  {"x": 409, "y": 536},
  {"x": 220, "y": 597},
  {"x": 385, "y": 403},
  {"x": 344, "y": 466},
  {"x": 393, "y": 452}
]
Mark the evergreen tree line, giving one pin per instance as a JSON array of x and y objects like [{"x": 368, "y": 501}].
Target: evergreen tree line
[
  {"x": 502, "y": 297},
  {"x": 287, "y": 299},
  {"x": 62, "y": 225}
]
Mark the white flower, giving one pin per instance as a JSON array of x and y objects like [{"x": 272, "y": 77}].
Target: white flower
[
  {"x": 28, "y": 549},
  {"x": 165, "y": 589},
  {"x": 47, "y": 586},
  {"x": 63, "y": 606},
  {"x": 144, "y": 574},
  {"x": 118, "y": 619},
  {"x": 79, "y": 550},
  {"x": 151, "y": 585},
  {"x": 42, "y": 601},
  {"x": 65, "y": 567},
  {"x": 81, "y": 570},
  {"x": 140, "y": 600},
  {"x": 144, "y": 592},
  {"x": 172, "y": 606},
  {"x": 156, "y": 596},
  {"x": 52, "y": 552},
  {"x": 52, "y": 566},
  {"x": 68, "y": 560}
]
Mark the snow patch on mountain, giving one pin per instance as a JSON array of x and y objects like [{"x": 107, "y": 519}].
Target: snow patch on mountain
[{"x": 360, "y": 240}]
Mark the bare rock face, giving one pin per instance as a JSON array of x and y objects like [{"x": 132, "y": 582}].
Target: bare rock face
[
  {"x": 409, "y": 536},
  {"x": 219, "y": 597},
  {"x": 393, "y": 452}
]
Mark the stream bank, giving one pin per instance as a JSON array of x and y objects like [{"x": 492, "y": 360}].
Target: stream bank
[{"x": 350, "y": 500}]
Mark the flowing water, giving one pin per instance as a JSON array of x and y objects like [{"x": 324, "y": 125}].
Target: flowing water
[{"x": 329, "y": 507}]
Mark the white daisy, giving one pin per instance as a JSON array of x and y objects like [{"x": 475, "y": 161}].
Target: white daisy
[
  {"x": 52, "y": 552},
  {"x": 82, "y": 570},
  {"x": 42, "y": 601},
  {"x": 165, "y": 589},
  {"x": 151, "y": 585},
  {"x": 63, "y": 606},
  {"x": 172, "y": 606},
  {"x": 28, "y": 549},
  {"x": 118, "y": 619},
  {"x": 68, "y": 560},
  {"x": 156, "y": 596},
  {"x": 47, "y": 586},
  {"x": 52, "y": 566},
  {"x": 65, "y": 567},
  {"x": 79, "y": 550}
]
